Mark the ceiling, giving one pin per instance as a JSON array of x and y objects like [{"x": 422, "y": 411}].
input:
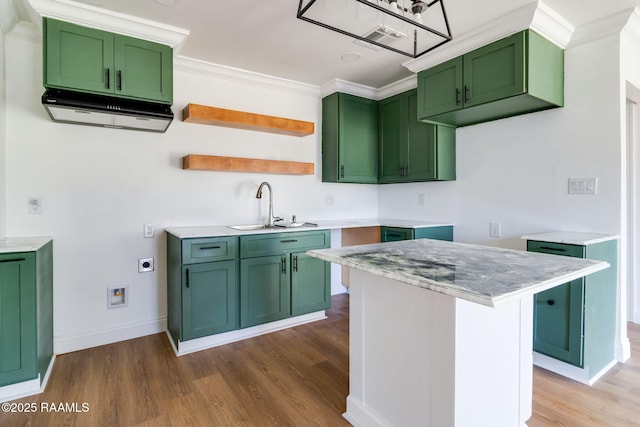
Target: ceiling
[{"x": 267, "y": 38}]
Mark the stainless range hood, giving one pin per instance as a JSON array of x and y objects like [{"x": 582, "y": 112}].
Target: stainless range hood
[{"x": 99, "y": 110}]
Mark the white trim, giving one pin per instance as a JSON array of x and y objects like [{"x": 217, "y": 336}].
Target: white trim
[
  {"x": 198, "y": 344},
  {"x": 537, "y": 16},
  {"x": 26, "y": 31},
  {"x": 339, "y": 85},
  {"x": 601, "y": 28},
  {"x": 581, "y": 375},
  {"x": 26, "y": 388},
  {"x": 196, "y": 66},
  {"x": 74, "y": 342},
  {"x": 115, "y": 22},
  {"x": 358, "y": 414},
  {"x": 632, "y": 29}
]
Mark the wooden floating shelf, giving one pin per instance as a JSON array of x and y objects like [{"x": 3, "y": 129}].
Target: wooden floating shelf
[
  {"x": 239, "y": 164},
  {"x": 202, "y": 114}
]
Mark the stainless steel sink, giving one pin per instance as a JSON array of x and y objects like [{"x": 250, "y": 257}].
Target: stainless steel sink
[{"x": 249, "y": 227}]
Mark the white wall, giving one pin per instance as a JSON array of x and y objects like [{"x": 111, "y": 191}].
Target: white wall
[
  {"x": 3, "y": 135},
  {"x": 515, "y": 171},
  {"x": 99, "y": 186}
]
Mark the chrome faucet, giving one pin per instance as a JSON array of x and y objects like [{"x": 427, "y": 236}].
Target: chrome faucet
[{"x": 271, "y": 219}]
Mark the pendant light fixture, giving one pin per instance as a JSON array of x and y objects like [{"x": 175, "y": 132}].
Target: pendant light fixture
[{"x": 408, "y": 27}]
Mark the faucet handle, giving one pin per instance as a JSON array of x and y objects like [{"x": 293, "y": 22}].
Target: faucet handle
[
  {"x": 293, "y": 219},
  {"x": 277, "y": 218}
]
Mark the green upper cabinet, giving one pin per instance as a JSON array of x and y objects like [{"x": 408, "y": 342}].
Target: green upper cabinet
[
  {"x": 349, "y": 139},
  {"x": 518, "y": 74},
  {"x": 89, "y": 60},
  {"x": 411, "y": 150}
]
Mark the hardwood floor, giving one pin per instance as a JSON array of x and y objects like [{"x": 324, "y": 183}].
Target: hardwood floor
[{"x": 295, "y": 377}]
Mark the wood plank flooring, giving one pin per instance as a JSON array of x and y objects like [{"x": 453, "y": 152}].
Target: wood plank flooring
[{"x": 296, "y": 377}]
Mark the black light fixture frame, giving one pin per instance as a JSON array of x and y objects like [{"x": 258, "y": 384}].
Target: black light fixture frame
[{"x": 447, "y": 37}]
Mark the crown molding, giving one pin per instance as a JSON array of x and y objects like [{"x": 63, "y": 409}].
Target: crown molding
[
  {"x": 196, "y": 66},
  {"x": 8, "y": 16},
  {"x": 395, "y": 88},
  {"x": 632, "y": 29},
  {"x": 91, "y": 16},
  {"x": 549, "y": 24},
  {"x": 26, "y": 31},
  {"x": 537, "y": 16},
  {"x": 339, "y": 85},
  {"x": 601, "y": 28}
]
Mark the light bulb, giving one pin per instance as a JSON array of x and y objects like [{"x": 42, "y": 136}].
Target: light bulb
[
  {"x": 393, "y": 6},
  {"x": 417, "y": 17}
]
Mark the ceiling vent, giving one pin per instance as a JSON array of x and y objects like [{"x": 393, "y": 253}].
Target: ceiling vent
[{"x": 381, "y": 35}]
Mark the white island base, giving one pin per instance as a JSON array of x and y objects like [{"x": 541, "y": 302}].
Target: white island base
[{"x": 419, "y": 357}]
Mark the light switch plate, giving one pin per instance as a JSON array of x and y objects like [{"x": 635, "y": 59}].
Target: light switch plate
[{"x": 583, "y": 185}]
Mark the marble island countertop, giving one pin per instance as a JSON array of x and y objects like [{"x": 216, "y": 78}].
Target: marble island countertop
[
  {"x": 481, "y": 274},
  {"x": 223, "y": 230},
  {"x": 22, "y": 244}
]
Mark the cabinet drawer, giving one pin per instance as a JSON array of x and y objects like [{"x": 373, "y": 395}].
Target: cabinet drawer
[
  {"x": 576, "y": 251},
  {"x": 209, "y": 249},
  {"x": 394, "y": 234},
  {"x": 281, "y": 243}
]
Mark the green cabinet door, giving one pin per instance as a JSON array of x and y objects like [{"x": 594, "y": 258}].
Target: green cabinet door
[
  {"x": 144, "y": 69},
  {"x": 78, "y": 58},
  {"x": 440, "y": 89},
  {"x": 210, "y": 299},
  {"x": 349, "y": 139},
  {"x": 431, "y": 149},
  {"x": 519, "y": 74},
  {"x": 393, "y": 138},
  {"x": 495, "y": 71},
  {"x": 310, "y": 284},
  {"x": 18, "y": 352},
  {"x": 558, "y": 321},
  {"x": 394, "y": 234},
  {"x": 264, "y": 290},
  {"x": 412, "y": 151},
  {"x": 90, "y": 60}
]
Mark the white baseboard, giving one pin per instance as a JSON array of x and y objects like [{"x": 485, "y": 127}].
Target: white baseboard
[
  {"x": 581, "y": 375},
  {"x": 359, "y": 415},
  {"x": 26, "y": 388},
  {"x": 74, "y": 342},
  {"x": 191, "y": 346}
]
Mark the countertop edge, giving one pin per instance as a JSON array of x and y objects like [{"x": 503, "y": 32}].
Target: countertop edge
[
  {"x": 579, "y": 238},
  {"x": 23, "y": 244}
]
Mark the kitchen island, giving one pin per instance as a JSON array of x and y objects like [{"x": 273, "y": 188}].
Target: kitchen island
[{"x": 441, "y": 332}]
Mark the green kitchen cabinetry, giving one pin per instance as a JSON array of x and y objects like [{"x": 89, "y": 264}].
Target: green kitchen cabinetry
[
  {"x": 89, "y": 60},
  {"x": 410, "y": 150},
  {"x": 203, "y": 296},
  {"x": 26, "y": 314},
  {"x": 576, "y": 322},
  {"x": 394, "y": 234},
  {"x": 349, "y": 139},
  {"x": 277, "y": 279},
  {"x": 519, "y": 74}
]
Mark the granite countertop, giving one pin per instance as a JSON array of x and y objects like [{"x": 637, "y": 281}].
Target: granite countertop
[
  {"x": 481, "y": 274},
  {"x": 571, "y": 237},
  {"x": 222, "y": 230},
  {"x": 23, "y": 244}
]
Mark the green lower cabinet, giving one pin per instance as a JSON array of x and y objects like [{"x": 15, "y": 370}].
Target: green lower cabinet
[
  {"x": 209, "y": 299},
  {"x": 264, "y": 290},
  {"x": 393, "y": 234},
  {"x": 310, "y": 284},
  {"x": 26, "y": 315},
  {"x": 559, "y": 319},
  {"x": 576, "y": 322}
]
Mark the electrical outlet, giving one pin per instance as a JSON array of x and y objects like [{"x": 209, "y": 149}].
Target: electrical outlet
[
  {"x": 583, "y": 185},
  {"x": 149, "y": 231},
  {"x": 328, "y": 200},
  {"x": 145, "y": 265},
  {"x": 495, "y": 229},
  {"x": 35, "y": 206},
  {"x": 422, "y": 199}
]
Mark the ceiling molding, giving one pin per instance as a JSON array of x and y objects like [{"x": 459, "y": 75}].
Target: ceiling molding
[
  {"x": 400, "y": 86},
  {"x": 536, "y": 15},
  {"x": 190, "y": 65},
  {"x": 339, "y": 85},
  {"x": 8, "y": 16},
  {"x": 549, "y": 24},
  {"x": 601, "y": 28},
  {"x": 26, "y": 31},
  {"x": 632, "y": 29},
  {"x": 91, "y": 16}
]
